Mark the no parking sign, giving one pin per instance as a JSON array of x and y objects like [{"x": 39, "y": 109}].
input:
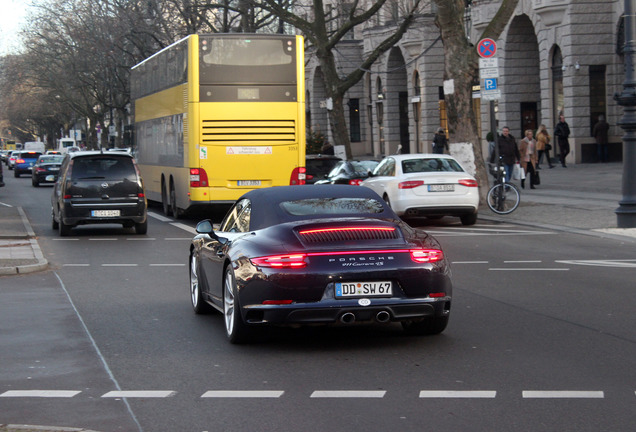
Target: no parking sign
[{"x": 486, "y": 48}]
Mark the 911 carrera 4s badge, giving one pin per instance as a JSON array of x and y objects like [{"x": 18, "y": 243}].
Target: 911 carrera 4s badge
[{"x": 366, "y": 289}]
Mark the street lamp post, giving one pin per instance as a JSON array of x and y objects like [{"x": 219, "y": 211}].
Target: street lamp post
[{"x": 626, "y": 212}]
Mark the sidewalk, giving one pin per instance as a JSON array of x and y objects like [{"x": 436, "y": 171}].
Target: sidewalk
[{"x": 19, "y": 249}]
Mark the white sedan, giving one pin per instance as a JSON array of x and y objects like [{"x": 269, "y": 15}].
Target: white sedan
[{"x": 431, "y": 185}]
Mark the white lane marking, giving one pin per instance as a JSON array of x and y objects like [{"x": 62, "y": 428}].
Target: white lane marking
[
  {"x": 243, "y": 394},
  {"x": 456, "y": 233},
  {"x": 141, "y": 239},
  {"x": 184, "y": 227},
  {"x": 140, "y": 394},
  {"x": 75, "y": 265},
  {"x": 120, "y": 265},
  {"x": 469, "y": 262},
  {"x": 458, "y": 394},
  {"x": 41, "y": 393},
  {"x": 65, "y": 239},
  {"x": 178, "y": 238},
  {"x": 528, "y": 269},
  {"x": 624, "y": 263},
  {"x": 159, "y": 217},
  {"x": 523, "y": 262},
  {"x": 348, "y": 394},
  {"x": 103, "y": 239},
  {"x": 167, "y": 265},
  {"x": 562, "y": 394}
]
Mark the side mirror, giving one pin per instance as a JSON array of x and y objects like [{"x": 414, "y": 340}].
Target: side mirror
[{"x": 205, "y": 227}]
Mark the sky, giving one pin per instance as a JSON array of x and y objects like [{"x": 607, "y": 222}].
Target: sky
[{"x": 12, "y": 18}]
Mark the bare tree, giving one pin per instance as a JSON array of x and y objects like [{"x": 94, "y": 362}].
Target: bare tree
[
  {"x": 323, "y": 30},
  {"x": 461, "y": 64}
]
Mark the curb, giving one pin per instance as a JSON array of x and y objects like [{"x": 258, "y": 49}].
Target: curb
[{"x": 40, "y": 263}]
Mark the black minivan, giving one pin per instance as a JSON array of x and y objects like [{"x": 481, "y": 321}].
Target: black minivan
[{"x": 95, "y": 187}]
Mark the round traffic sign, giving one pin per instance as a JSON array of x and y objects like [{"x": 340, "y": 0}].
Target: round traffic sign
[{"x": 486, "y": 48}]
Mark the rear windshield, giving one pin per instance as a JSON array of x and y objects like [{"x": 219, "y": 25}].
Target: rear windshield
[
  {"x": 430, "y": 165},
  {"x": 104, "y": 168},
  {"x": 332, "y": 206}
]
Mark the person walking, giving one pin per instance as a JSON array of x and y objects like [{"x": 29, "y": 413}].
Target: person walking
[
  {"x": 508, "y": 151},
  {"x": 528, "y": 158},
  {"x": 440, "y": 142},
  {"x": 562, "y": 132},
  {"x": 600, "y": 134},
  {"x": 543, "y": 146}
]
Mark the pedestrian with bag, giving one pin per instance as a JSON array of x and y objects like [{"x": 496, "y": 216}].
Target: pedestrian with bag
[
  {"x": 440, "y": 142},
  {"x": 528, "y": 158},
  {"x": 562, "y": 132},
  {"x": 543, "y": 146},
  {"x": 508, "y": 151}
]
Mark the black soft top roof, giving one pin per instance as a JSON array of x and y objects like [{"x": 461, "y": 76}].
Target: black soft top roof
[{"x": 266, "y": 210}]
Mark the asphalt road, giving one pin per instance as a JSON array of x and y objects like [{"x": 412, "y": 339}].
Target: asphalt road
[{"x": 541, "y": 338}]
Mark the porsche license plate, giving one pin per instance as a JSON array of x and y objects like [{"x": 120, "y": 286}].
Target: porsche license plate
[
  {"x": 364, "y": 289},
  {"x": 105, "y": 213},
  {"x": 441, "y": 188}
]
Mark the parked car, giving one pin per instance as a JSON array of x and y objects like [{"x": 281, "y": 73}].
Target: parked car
[
  {"x": 46, "y": 169},
  {"x": 349, "y": 172},
  {"x": 1, "y": 176},
  {"x": 318, "y": 166},
  {"x": 330, "y": 255},
  {"x": 430, "y": 185},
  {"x": 11, "y": 159},
  {"x": 24, "y": 162},
  {"x": 96, "y": 188}
]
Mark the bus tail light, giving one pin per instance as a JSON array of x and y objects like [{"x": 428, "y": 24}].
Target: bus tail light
[
  {"x": 198, "y": 177},
  {"x": 298, "y": 176}
]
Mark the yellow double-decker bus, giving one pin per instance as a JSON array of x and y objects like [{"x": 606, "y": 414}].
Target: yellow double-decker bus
[{"x": 217, "y": 115}]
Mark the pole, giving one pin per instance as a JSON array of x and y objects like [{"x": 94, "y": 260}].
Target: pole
[{"x": 626, "y": 212}]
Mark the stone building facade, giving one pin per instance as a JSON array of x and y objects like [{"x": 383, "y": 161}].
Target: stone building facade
[{"x": 555, "y": 56}]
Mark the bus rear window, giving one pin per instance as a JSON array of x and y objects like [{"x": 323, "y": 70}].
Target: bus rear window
[{"x": 246, "y": 52}]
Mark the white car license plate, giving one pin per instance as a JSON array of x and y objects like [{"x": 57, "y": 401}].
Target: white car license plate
[
  {"x": 105, "y": 213},
  {"x": 364, "y": 289},
  {"x": 249, "y": 182},
  {"x": 441, "y": 188}
]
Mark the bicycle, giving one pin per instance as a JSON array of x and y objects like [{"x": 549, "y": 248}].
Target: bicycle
[{"x": 503, "y": 197}]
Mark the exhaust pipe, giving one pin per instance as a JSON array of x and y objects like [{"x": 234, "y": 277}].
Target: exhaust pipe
[
  {"x": 347, "y": 318},
  {"x": 383, "y": 317}
]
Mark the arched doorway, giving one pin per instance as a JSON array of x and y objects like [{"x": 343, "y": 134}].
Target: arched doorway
[{"x": 397, "y": 114}]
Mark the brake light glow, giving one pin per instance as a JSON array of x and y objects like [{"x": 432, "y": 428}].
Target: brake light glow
[
  {"x": 298, "y": 176},
  {"x": 437, "y": 295},
  {"x": 468, "y": 182},
  {"x": 362, "y": 228},
  {"x": 410, "y": 184},
  {"x": 198, "y": 177},
  {"x": 281, "y": 261},
  {"x": 277, "y": 302},
  {"x": 20, "y": 161},
  {"x": 355, "y": 182},
  {"x": 426, "y": 255}
]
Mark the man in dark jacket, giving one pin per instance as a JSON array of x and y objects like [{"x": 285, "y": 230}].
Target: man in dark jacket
[
  {"x": 600, "y": 133},
  {"x": 508, "y": 151},
  {"x": 562, "y": 132}
]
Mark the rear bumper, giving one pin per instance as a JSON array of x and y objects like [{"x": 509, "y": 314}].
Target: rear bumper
[
  {"x": 347, "y": 311},
  {"x": 81, "y": 214}
]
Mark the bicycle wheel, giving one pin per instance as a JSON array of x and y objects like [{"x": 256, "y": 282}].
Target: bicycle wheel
[{"x": 503, "y": 198}]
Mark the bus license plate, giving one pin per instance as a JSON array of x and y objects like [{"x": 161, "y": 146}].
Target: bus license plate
[
  {"x": 441, "y": 188},
  {"x": 363, "y": 289},
  {"x": 249, "y": 182},
  {"x": 105, "y": 213}
]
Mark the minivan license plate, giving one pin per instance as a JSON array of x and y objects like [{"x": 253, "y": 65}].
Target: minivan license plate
[
  {"x": 105, "y": 213},
  {"x": 364, "y": 289}
]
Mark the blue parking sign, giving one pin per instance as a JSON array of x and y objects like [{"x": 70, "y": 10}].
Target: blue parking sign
[{"x": 490, "y": 84}]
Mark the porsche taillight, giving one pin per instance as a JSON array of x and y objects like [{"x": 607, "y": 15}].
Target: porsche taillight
[
  {"x": 426, "y": 255},
  {"x": 281, "y": 261}
]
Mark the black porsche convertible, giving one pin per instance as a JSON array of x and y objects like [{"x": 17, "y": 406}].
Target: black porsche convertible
[{"x": 332, "y": 255}]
